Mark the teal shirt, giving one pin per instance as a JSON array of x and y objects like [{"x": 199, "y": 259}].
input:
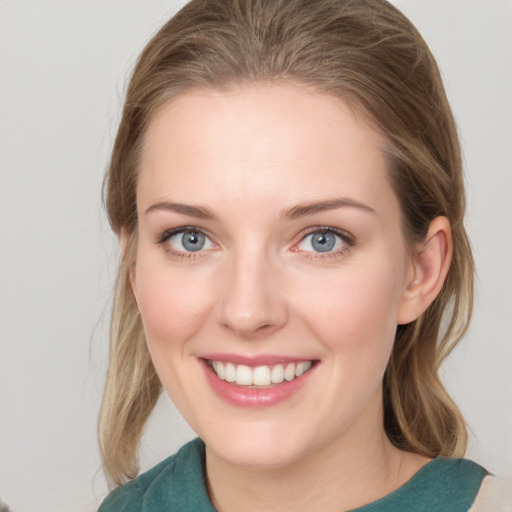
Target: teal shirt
[{"x": 177, "y": 485}]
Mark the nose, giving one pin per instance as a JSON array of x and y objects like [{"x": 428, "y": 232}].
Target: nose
[{"x": 252, "y": 302}]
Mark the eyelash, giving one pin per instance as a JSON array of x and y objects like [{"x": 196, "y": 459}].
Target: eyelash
[
  {"x": 163, "y": 238},
  {"x": 347, "y": 239}
]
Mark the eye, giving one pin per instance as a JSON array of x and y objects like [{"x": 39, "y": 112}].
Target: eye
[
  {"x": 187, "y": 241},
  {"x": 324, "y": 240}
]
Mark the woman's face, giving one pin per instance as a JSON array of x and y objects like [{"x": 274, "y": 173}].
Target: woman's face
[{"x": 269, "y": 245}]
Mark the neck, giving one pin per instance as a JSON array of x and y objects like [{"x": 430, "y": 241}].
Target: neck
[{"x": 348, "y": 472}]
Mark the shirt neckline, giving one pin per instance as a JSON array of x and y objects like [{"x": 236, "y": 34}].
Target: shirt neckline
[{"x": 448, "y": 484}]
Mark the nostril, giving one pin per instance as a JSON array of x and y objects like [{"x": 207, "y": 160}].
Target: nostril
[
  {"x": 251, "y": 305},
  {"x": 251, "y": 330}
]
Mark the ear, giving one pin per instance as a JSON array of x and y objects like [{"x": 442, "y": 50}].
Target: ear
[
  {"x": 429, "y": 266},
  {"x": 127, "y": 244}
]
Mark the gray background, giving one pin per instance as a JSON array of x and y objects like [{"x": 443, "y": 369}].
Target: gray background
[{"x": 64, "y": 65}]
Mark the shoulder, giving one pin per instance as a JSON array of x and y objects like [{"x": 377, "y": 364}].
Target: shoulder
[
  {"x": 161, "y": 485},
  {"x": 446, "y": 484},
  {"x": 458, "y": 470},
  {"x": 495, "y": 495},
  {"x": 455, "y": 482}
]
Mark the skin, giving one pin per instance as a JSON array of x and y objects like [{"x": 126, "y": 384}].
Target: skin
[{"x": 248, "y": 157}]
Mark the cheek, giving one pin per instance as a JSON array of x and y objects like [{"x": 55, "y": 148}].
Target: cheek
[
  {"x": 355, "y": 310},
  {"x": 172, "y": 305}
]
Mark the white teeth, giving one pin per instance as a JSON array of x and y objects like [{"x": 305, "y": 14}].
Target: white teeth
[
  {"x": 300, "y": 369},
  {"x": 263, "y": 375},
  {"x": 243, "y": 375},
  {"x": 219, "y": 370},
  {"x": 289, "y": 373},
  {"x": 277, "y": 374},
  {"x": 230, "y": 372}
]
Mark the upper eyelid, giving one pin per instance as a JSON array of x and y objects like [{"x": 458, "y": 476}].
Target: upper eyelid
[
  {"x": 327, "y": 229},
  {"x": 162, "y": 240},
  {"x": 166, "y": 234}
]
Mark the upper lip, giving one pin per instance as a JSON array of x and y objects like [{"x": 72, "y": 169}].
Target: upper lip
[{"x": 254, "y": 360}]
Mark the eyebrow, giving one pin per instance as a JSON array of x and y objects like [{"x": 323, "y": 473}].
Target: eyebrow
[
  {"x": 305, "y": 209},
  {"x": 295, "y": 212},
  {"x": 185, "y": 209}
]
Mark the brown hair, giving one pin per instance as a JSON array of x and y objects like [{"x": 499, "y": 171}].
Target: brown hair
[{"x": 367, "y": 53}]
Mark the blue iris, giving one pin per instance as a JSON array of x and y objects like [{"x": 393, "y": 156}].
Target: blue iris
[
  {"x": 193, "y": 241},
  {"x": 323, "y": 242}
]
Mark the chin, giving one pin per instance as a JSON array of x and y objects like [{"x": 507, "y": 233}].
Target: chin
[
  {"x": 268, "y": 448},
  {"x": 249, "y": 455}
]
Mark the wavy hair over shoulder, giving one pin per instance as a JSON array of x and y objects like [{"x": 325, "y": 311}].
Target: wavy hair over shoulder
[{"x": 370, "y": 55}]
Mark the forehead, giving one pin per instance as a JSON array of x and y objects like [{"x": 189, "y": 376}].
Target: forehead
[{"x": 261, "y": 142}]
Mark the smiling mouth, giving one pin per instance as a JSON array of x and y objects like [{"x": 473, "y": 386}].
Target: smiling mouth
[{"x": 259, "y": 376}]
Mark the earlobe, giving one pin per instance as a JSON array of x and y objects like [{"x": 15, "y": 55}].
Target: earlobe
[{"x": 430, "y": 264}]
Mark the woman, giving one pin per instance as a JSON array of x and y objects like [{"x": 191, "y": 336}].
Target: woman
[{"x": 286, "y": 184}]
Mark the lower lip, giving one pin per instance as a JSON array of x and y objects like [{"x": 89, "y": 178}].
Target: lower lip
[{"x": 254, "y": 397}]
